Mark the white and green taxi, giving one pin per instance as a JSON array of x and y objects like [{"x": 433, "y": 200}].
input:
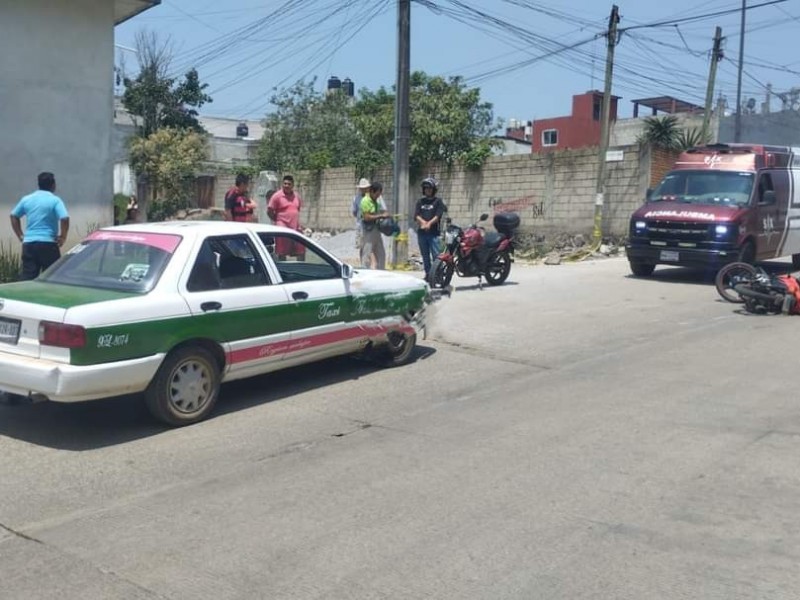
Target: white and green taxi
[{"x": 173, "y": 309}]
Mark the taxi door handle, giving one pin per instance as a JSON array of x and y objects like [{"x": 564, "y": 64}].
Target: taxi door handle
[
  {"x": 206, "y": 306},
  {"x": 299, "y": 295}
]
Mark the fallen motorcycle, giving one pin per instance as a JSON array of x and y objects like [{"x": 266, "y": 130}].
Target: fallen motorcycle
[
  {"x": 472, "y": 252},
  {"x": 760, "y": 292}
]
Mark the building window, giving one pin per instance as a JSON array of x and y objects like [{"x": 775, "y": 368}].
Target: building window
[
  {"x": 596, "y": 108},
  {"x": 550, "y": 137}
]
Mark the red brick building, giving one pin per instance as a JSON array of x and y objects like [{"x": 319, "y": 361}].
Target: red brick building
[{"x": 579, "y": 130}]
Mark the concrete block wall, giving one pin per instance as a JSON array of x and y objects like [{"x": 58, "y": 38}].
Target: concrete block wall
[{"x": 553, "y": 193}]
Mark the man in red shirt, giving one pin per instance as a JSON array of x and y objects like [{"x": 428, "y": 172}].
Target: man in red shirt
[
  {"x": 284, "y": 209},
  {"x": 238, "y": 205}
]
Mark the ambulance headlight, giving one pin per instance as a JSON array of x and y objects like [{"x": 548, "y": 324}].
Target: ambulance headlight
[
  {"x": 640, "y": 225},
  {"x": 721, "y": 230}
]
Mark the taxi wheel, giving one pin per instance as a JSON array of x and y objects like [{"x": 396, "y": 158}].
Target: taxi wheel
[
  {"x": 185, "y": 388},
  {"x": 398, "y": 349}
]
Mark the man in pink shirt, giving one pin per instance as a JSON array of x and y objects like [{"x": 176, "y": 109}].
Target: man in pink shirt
[{"x": 284, "y": 209}]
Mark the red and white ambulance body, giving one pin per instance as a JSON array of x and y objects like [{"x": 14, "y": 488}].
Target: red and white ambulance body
[{"x": 720, "y": 203}]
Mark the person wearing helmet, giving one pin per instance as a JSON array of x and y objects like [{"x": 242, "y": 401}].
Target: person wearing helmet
[{"x": 428, "y": 214}]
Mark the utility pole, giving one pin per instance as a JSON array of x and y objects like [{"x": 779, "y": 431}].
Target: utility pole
[
  {"x": 716, "y": 56},
  {"x": 402, "y": 131},
  {"x": 613, "y": 20},
  {"x": 737, "y": 132}
]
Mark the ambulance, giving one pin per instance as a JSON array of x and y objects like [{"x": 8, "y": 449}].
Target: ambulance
[{"x": 719, "y": 204}]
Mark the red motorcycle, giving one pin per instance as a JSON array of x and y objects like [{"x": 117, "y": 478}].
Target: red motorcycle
[{"x": 472, "y": 252}]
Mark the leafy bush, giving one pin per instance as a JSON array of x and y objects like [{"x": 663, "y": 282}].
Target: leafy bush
[
  {"x": 660, "y": 132},
  {"x": 689, "y": 138},
  {"x": 9, "y": 262},
  {"x": 120, "y": 206},
  {"x": 162, "y": 210}
]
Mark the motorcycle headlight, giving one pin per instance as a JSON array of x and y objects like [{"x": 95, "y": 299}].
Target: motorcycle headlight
[{"x": 449, "y": 237}]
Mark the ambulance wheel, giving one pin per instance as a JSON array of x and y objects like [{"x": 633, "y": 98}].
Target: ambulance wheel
[
  {"x": 185, "y": 388},
  {"x": 747, "y": 254}
]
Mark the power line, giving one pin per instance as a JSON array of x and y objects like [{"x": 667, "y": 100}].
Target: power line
[{"x": 699, "y": 17}]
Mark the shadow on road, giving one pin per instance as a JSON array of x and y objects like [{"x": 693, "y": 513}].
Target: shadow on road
[
  {"x": 477, "y": 288},
  {"x": 100, "y": 423},
  {"x": 684, "y": 275}
]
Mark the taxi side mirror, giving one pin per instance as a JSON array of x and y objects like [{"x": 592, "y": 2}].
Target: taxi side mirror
[{"x": 347, "y": 271}]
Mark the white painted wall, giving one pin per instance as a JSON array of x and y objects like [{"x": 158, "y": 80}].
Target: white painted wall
[{"x": 56, "y": 93}]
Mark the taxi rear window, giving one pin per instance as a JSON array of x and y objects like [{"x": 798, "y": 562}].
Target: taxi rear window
[{"x": 126, "y": 262}]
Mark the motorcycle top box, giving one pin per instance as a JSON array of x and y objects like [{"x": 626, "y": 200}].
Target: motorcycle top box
[{"x": 506, "y": 222}]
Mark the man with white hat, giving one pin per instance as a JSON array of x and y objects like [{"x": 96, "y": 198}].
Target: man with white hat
[{"x": 355, "y": 209}]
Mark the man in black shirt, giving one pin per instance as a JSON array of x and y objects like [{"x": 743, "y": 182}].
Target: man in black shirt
[{"x": 428, "y": 214}]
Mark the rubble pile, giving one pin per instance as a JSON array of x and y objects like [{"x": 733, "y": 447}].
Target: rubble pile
[{"x": 563, "y": 247}]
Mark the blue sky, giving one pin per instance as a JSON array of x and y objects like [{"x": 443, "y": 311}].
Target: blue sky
[{"x": 245, "y": 49}]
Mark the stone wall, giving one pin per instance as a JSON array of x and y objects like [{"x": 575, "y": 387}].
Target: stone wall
[{"x": 553, "y": 193}]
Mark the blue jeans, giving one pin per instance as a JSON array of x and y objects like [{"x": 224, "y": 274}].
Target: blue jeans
[{"x": 429, "y": 247}]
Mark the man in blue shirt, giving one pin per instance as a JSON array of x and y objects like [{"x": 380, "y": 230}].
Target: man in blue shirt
[{"x": 46, "y": 227}]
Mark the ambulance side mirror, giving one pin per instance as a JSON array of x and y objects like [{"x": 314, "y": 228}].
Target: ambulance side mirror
[
  {"x": 648, "y": 194},
  {"x": 768, "y": 197}
]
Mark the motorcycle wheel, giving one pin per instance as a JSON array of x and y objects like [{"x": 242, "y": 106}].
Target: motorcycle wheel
[
  {"x": 497, "y": 268},
  {"x": 730, "y": 275},
  {"x": 441, "y": 274}
]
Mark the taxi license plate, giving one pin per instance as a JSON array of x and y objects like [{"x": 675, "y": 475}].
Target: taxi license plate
[
  {"x": 9, "y": 330},
  {"x": 670, "y": 255}
]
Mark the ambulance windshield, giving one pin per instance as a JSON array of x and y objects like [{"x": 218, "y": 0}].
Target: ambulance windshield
[{"x": 705, "y": 187}]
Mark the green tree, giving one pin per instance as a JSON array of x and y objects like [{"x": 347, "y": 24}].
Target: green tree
[
  {"x": 170, "y": 159},
  {"x": 155, "y": 99},
  {"x": 308, "y": 130},
  {"x": 449, "y": 122}
]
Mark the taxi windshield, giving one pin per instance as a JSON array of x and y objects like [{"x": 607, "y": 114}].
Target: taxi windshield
[
  {"x": 119, "y": 264},
  {"x": 705, "y": 187}
]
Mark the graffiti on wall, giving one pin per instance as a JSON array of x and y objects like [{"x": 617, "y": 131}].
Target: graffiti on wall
[{"x": 500, "y": 204}]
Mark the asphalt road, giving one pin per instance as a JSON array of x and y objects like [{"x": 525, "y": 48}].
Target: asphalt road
[{"x": 576, "y": 433}]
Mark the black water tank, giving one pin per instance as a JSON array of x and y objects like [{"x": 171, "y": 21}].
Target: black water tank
[
  {"x": 348, "y": 86},
  {"x": 334, "y": 83},
  {"x": 242, "y": 130}
]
